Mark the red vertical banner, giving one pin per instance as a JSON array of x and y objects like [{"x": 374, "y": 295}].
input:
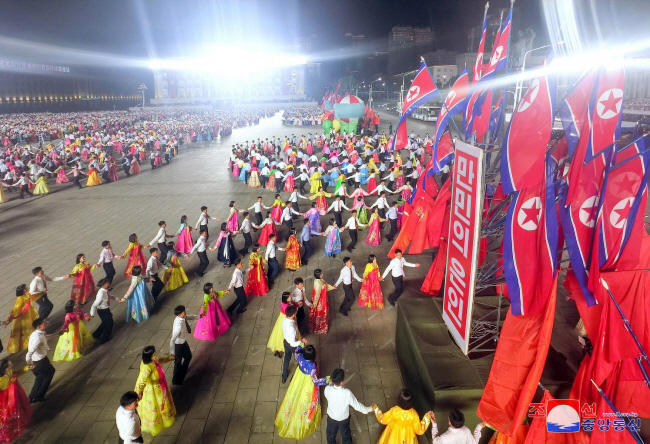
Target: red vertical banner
[{"x": 462, "y": 252}]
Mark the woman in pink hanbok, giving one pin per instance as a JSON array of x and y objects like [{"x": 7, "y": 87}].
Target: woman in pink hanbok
[
  {"x": 184, "y": 243},
  {"x": 357, "y": 197},
  {"x": 289, "y": 183},
  {"x": 374, "y": 229},
  {"x": 112, "y": 172},
  {"x": 61, "y": 176},
  {"x": 233, "y": 219},
  {"x": 213, "y": 320}
]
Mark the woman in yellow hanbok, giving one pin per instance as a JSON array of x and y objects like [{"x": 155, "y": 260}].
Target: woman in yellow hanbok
[
  {"x": 316, "y": 183},
  {"x": 41, "y": 186},
  {"x": 93, "y": 178},
  {"x": 276, "y": 339},
  {"x": 156, "y": 407},
  {"x": 402, "y": 421},
  {"x": 174, "y": 276},
  {"x": 75, "y": 337},
  {"x": 3, "y": 196},
  {"x": 21, "y": 317},
  {"x": 300, "y": 414},
  {"x": 321, "y": 201}
]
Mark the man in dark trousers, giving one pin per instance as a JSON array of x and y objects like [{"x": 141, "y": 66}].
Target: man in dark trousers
[
  {"x": 305, "y": 240},
  {"x": 392, "y": 214},
  {"x": 291, "y": 338},
  {"x": 38, "y": 362},
  {"x": 154, "y": 266},
  {"x": 352, "y": 226},
  {"x": 178, "y": 345},
  {"x": 347, "y": 273},
  {"x": 339, "y": 401},
  {"x": 245, "y": 229},
  {"x": 237, "y": 284}
]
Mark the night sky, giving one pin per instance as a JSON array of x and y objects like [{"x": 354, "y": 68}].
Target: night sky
[{"x": 166, "y": 28}]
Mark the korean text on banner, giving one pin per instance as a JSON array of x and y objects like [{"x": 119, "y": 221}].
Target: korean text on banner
[{"x": 462, "y": 252}]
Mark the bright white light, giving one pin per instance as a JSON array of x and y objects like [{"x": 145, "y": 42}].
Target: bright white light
[{"x": 230, "y": 61}]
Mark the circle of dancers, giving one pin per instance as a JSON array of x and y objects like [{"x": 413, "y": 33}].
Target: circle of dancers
[{"x": 355, "y": 169}]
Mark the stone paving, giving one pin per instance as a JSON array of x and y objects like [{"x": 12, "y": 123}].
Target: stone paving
[{"x": 233, "y": 388}]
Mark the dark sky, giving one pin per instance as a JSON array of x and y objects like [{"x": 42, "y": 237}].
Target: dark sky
[{"x": 163, "y": 28}]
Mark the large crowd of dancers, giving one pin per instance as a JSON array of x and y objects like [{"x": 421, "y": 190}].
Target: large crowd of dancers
[{"x": 303, "y": 173}]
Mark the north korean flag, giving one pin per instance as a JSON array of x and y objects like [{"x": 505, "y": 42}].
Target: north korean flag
[
  {"x": 478, "y": 65},
  {"x": 422, "y": 90},
  {"x": 530, "y": 246},
  {"x": 526, "y": 141},
  {"x": 455, "y": 102},
  {"x": 499, "y": 58},
  {"x": 574, "y": 108},
  {"x": 618, "y": 228},
  {"x": 581, "y": 198}
]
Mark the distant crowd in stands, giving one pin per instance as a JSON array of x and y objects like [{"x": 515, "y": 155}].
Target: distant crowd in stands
[
  {"x": 95, "y": 145},
  {"x": 302, "y": 116},
  {"x": 637, "y": 104}
]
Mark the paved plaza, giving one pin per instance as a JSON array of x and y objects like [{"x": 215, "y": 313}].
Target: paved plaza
[{"x": 233, "y": 388}]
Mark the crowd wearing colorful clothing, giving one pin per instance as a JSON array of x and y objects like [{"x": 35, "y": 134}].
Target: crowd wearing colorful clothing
[{"x": 307, "y": 169}]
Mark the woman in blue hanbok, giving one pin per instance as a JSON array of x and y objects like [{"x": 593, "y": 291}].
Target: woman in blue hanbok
[{"x": 140, "y": 301}]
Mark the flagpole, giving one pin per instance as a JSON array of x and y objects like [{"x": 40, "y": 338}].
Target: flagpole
[
  {"x": 628, "y": 327},
  {"x": 634, "y": 433}
]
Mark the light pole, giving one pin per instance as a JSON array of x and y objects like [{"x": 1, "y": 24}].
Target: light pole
[
  {"x": 370, "y": 96},
  {"x": 401, "y": 92},
  {"x": 356, "y": 93},
  {"x": 520, "y": 83},
  {"x": 142, "y": 88}
]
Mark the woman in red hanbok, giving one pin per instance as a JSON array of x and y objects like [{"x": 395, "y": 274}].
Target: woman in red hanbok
[
  {"x": 319, "y": 313},
  {"x": 276, "y": 209},
  {"x": 134, "y": 253},
  {"x": 268, "y": 227},
  {"x": 15, "y": 411},
  {"x": 372, "y": 181},
  {"x": 112, "y": 172},
  {"x": 370, "y": 294},
  {"x": 257, "y": 282},
  {"x": 289, "y": 183},
  {"x": 321, "y": 201},
  {"x": 83, "y": 285},
  {"x": 374, "y": 228}
]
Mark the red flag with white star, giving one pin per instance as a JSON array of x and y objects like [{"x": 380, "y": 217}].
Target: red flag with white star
[
  {"x": 581, "y": 200},
  {"x": 619, "y": 230}
]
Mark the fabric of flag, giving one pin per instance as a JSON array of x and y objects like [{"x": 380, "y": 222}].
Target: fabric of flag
[
  {"x": 475, "y": 99},
  {"x": 455, "y": 102},
  {"x": 526, "y": 141},
  {"x": 478, "y": 65},
  {"x": 517, "y": 367},
  {"x": 499, "y": 58},
  {"x": 613, "y": 360},
  {"x": 496, "y": 118},
  {"x": 623, "y": 199},
  {"x": 574, "y": 108},
  {"x": 530, "y": 247},
  {"x": 444, "y": 153},
  {"x": 481, "y": 115},
  {"x": 580, "y": 199},
  {"x": 537, "y": 433},
  {"x": 422, "y": 90}
]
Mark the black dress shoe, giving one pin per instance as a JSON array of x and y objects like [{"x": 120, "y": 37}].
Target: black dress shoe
[
  {"x": 344, "y": 313},
  {"x": 391, "y": 302},
  {"x": 241, "y": 311}
]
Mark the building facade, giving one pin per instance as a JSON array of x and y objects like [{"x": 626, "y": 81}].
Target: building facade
[{"x": 405, "y": 46}]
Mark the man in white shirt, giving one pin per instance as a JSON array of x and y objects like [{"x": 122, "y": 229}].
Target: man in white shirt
[
  {"x": 178, "y": 345},
  {"x": 352, "y": 226},
  {"x": 127, "y": 420},
  {"x": 286, "y": 217},
  {"x": 200, "y": 247},
  {"x": 38, "y": 289},
  {"x": 101, "y": 308},
  {"x": 271, "y": 260},
  {"x": 347, "y": 273},
  {"x": 337, "y": 206},
  {"x": 245, "y": 229},
  {"x": 396, "y": 267},
  {"x": 106, "y": 258},
  {"x": 391, "y": 214},
  {"x": 299, "y": 300},
  {"x": 339, "y": 401},
  {"x": 457, "y": 433},
  {"x": 204, "y": 219},
  {"x": 153, "y": 267},
  {"x": 291, "y": 338},
  {"x": 302, "y": 178},
  {"x": 38, "y": 362},
  {"x": 257, "y": 207},
  {"x": 161, "y": 240},
  {"x": 237, "y": 284},
  {"x": 293, "y": 198}
]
